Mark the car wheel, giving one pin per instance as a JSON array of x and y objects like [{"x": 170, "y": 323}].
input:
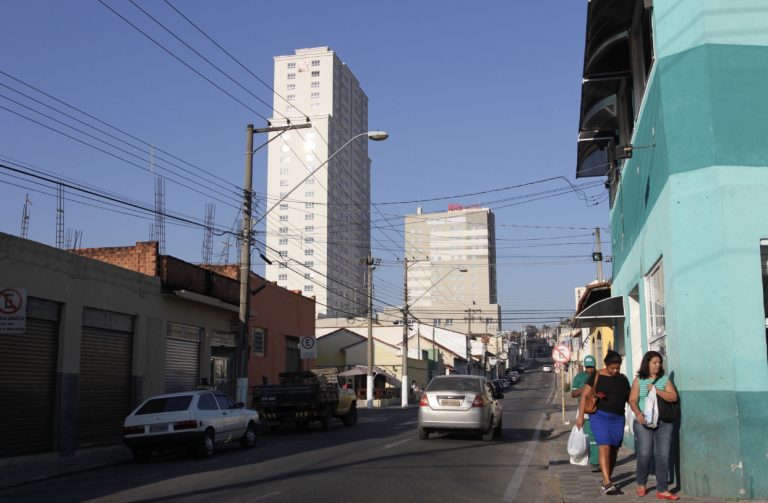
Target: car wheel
[
  {"x": 350, "y": 419},
  {"x": 141, "y": 455},
  {"x": 487, "y": 434},
  {"x": 423, "y": 434},
  {"x": 249, "y": 439},
  {"x": 325, "y": 419},
  {"x": 206, "y": 447},
  {"x": 497, "y": 431}
]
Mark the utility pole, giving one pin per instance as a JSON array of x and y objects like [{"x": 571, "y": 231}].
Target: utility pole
[
  {"x": 245, "y": 270},
  {"x": 241, "y": 363},
  {"x": 469, "y": 318},
  {"x": 371, "y": 264},
  {"x": 599, "y": 254},
  {"x": 404, "y": 384}
]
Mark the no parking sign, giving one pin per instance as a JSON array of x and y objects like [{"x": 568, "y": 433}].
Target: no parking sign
[{"x": 13, "y": 310}]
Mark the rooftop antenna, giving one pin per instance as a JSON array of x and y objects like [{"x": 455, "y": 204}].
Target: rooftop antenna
[
  {"x": 25, "y": 218},
  {"x": 60, "y": 216},
  {"x": 210, "y": 211},
  {"x": 159, "y": 204}
]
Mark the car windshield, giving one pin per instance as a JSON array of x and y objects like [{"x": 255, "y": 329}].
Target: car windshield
[
  {"x": 455, "y": 384},
  {"x": 165, "y": 404}
]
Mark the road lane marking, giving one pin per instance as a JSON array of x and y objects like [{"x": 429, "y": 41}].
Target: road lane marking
[
  {"x": 268, "y": 495},
  {"x": 517, "y": 479},
  {"x": 408, "y": 423},
  {"x": 393, "y": 445}
]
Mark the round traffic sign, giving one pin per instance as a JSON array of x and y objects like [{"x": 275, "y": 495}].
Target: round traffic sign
[{"x": 561, "y": 353}]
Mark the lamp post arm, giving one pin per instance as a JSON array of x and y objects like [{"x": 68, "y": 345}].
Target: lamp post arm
[{"x": 311, "y": 173}]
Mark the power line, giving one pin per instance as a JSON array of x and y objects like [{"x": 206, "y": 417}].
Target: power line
[
  {"x": 86, "y": 114},
  {"x": 181, "y": 60}
]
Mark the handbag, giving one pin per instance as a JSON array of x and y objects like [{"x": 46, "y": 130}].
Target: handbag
[
  {"x": 590, "y": 405},
  {"x": 669, "y": 412}
]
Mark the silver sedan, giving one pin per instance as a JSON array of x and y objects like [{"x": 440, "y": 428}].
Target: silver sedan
[{"x": 460, "y": 402}]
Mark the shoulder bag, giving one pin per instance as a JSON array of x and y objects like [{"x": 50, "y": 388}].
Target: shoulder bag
[
  {"x": 669, "y": 412},
  {"x": 590, "y": 406}
]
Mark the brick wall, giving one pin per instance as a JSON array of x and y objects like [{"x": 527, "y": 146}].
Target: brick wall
[
  {"x": 142, "y": 258},
  {"x": 174, "y": 274}
]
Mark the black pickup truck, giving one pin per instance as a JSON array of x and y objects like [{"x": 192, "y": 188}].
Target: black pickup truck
[{"x": 304, "y": 397}]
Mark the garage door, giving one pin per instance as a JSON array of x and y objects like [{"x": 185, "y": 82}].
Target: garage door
[
  {"x": 28, "y": 374},
  {"x": 105, "y": 376},
  {"x": 182, "y": 358}
]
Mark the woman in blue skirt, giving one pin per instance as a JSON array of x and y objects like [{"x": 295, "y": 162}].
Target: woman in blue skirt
[{"x": 612, "y": 390}]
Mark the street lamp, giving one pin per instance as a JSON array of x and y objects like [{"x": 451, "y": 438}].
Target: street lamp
[
  {"x": 372, "y": 135},
  {"x": 404, "y": 383},
  {"x": 245, "y": 252}
]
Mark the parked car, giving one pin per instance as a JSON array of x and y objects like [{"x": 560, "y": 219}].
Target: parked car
[
  {"x": 460, "y": 403},
  {"x": 514, "y": 376},
  {"x": 546, "y": 368},
  {"x": 194, "y": 419}
]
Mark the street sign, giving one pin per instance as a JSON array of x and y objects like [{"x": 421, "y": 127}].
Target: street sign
[
  {"x": 307, "y": 347},
  {"x": 561, "y": 353},
  {"x": 13, "y": 310}
]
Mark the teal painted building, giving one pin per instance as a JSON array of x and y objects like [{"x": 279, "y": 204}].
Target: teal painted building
[{"x": 674, "y": 116}]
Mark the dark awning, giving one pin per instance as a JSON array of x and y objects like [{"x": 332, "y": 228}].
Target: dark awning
[
  {"x": 606, "y": 64},
  {"x": 601, "y": 313}
]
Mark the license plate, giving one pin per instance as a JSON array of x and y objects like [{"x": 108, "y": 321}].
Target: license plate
[
  {"x": 157, "y": 428},
  {"x": 449, "y": 402}
]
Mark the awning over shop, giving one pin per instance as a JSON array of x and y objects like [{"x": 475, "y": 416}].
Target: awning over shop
[
  {"x": 601, "y": 313},
  {"x": 606, "y": 65},
  {"x": 361, "y": 370}
]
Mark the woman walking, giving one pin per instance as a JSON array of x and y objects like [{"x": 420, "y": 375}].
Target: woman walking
[
  {"x": 652, "y": 443},
  {"x": 612, "y": 389}
]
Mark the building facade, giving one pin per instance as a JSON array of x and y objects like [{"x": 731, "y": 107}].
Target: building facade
[
  {"x": 451, "y": 269},
  {"x": 100, "y": 338},
  {"x": 674, "y": 114},
  {"x": 319, "y": 227}
]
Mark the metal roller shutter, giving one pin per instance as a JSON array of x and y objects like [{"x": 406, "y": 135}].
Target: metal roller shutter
[
  {"x": 182, "y": 357},
  {"x": 105, "y": 385},
  {"x": 182, "y": 365},
  {"x": 28, "y": 381}
]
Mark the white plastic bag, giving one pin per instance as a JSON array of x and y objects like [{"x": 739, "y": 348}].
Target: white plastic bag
[
  {"x": 651, "y": 409},
  {"x": 577, "y": 443}
]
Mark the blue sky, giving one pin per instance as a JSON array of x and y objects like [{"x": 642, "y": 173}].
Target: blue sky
[{"x": 476, "y": 96}]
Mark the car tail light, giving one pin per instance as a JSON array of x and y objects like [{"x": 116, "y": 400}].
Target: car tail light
[
  {"x": 424, "y": 402},
  {"x": 133, "y": 430},
  {"x": 478, "y": 401},
  {"x": 185, "y": 425}
]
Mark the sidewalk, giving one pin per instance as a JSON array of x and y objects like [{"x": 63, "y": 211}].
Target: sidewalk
[
  {"x": 33, "y": 468},
  {"x": 578, "y": 484}
]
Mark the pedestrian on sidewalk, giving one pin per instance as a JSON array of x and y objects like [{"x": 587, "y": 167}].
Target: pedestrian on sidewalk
[
  {"x": 577, "y": 388},
  {"x": 652, "y": 444},
  {"x": 612, "y": 390}
]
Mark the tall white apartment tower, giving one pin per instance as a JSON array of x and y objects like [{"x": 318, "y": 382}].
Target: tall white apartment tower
[{"x": 318, "y": 234}]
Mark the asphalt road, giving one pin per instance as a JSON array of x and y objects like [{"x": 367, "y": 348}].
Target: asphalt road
[{"x": 380, "y": 459}]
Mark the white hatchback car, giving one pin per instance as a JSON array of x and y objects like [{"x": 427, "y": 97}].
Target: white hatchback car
[{"x": 195, "y": 419}]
